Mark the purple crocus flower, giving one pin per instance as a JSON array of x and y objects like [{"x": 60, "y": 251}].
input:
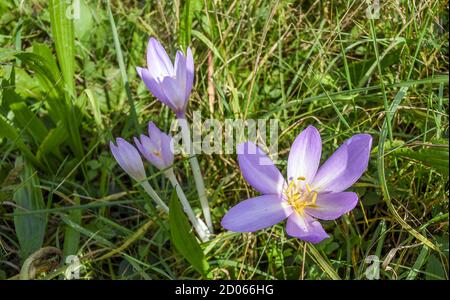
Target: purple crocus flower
[
  {"x": 170, "y": 83},
  {"x": 128, "y": 158},
  {"x": 311, "y": 192},
  {"x": 157, "y": 147}
]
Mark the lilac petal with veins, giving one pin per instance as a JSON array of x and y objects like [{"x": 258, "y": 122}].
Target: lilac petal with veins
[
  {"x": 154, "y": 87},
  {"x": 304, "y": 156},
  {"x": 158, "y": 62},
  {"x": 331, "y": 206},
  {"x": 256, "y": 213},
  {"x": 189, "y": 72},
  {"x": 305, "y": 228},
  {"x": 345, "y": 166},
  {"x": 258, "y": 169}
]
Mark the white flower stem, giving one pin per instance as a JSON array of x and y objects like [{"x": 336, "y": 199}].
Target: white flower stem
[
  {"x": 198, "y": 224},
  {"x": 151, "y": 192},
  {"x": 198, "y": 178}
]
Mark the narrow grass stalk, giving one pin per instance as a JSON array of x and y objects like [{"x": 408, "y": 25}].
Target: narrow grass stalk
[
  {"x": 123, "y": 71},
  {"x": 198, "y": 224},
  {"x": 199, "y": 183},
  {"x": 151, "y": 192}
]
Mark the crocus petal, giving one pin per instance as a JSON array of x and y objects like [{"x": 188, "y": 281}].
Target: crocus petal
[
  {"x": 128, "y": 158},
  {"x": 167, "y": 149},
  {"x": 174, "y": 93},
  {"x": 305, "y": 228},
  {"x": 148, "y": 150},
  {"x": 164, "y": 143},
  {"x": 345, "y": 166},
  {"x": 256, "y": 213},
  {"x": 331, "y": 206},
  {"x": 180, "y": 70},
  {"x": 158, "y": 62},
  {"x": 189, "y": 72},
  {"x": 154, "y": 87},
  {"x": 258, "y": 169},
  {"x": 157, "y": 147},
  {"x": 304, "y": 157},
  {"x": 154, "y": 133}
]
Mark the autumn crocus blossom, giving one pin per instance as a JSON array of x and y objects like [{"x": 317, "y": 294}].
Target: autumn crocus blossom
[
  {"x": 128, "y": 158},
  {"x": 157, "y": 147},
  {"x": 311, "y": 193},
  {"x": 170, "y": 83}
]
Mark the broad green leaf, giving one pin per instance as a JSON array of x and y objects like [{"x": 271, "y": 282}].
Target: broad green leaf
[
  {"x": 26, "y": 120},
  {"x": 9, "y": 132},
  {"x": 72, "y": 236},
  {"x": 30, "y": 229},
  {"x": 62, "y": 14},
  {"x": 50, "y": 82},
  {"x": 44, "y": 51},
  {"x": 183, "y": 238},
  {"x": 44, "y": 71},
  {"x": 55, "y": 137},
  {"x": 434, "y": 269},
  {"x": 8, "y": 88},
  {"x": 83, "y": 21}
]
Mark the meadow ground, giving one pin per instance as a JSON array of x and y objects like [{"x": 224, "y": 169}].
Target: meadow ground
[{"x": 66, "y": 91}]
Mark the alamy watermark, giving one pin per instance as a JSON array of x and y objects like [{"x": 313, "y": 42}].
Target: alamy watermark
[
  {"x": 373, "y": 9},
  {"x": 373, "y": 270},
  {"x": 73, "y": 9},
  {"x": 73, "y": 267},
  {"x": 213, "y": 136}
]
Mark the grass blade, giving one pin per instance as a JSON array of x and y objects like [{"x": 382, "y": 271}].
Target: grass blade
[{"x": 30, "y": 229}]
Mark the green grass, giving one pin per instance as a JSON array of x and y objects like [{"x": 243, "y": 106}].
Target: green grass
[{"x": 67, "y": 89}]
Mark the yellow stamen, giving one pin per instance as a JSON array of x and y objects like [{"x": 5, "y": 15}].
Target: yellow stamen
[
  {"x": 300, "y": 197},
  {"x": 314, "y": 198},
  {"x": 308, "y": 188}
]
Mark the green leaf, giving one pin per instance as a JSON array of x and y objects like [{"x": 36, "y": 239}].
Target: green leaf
[
  {"x": 95, "y": 106},
  {"x": 434, "y": 269},
  {"x": 45, "y": 53},
  {"x": 55, "y": 137},
  {"x": 183, "y": 238},
  {"x": 25, "y": 119},
  {"x": 9, "y": 132},
  {"x": 49, "y": 80},
  {"x": 61, "y": 21},
  {"x": 190, "y": 7},
  {"x": 62, "y": 15},
  {"x": 30, "y": 229},
  {"x": 434, "y": 156},
  {"x": 72, "y": 236},
  {"x": 8, "y": 88},
  {"x": 83, "y": 22}
]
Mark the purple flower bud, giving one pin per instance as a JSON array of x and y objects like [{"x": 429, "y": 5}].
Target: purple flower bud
[
  {"x": 170, "y": 83},
  {"x": 128, "y": 158},
  {"x": 157, "y": 147}
]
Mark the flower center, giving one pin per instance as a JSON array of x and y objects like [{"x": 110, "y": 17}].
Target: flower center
[
  {"x": 157, "y": 153},
  {"x": 300, "y": 197}
]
